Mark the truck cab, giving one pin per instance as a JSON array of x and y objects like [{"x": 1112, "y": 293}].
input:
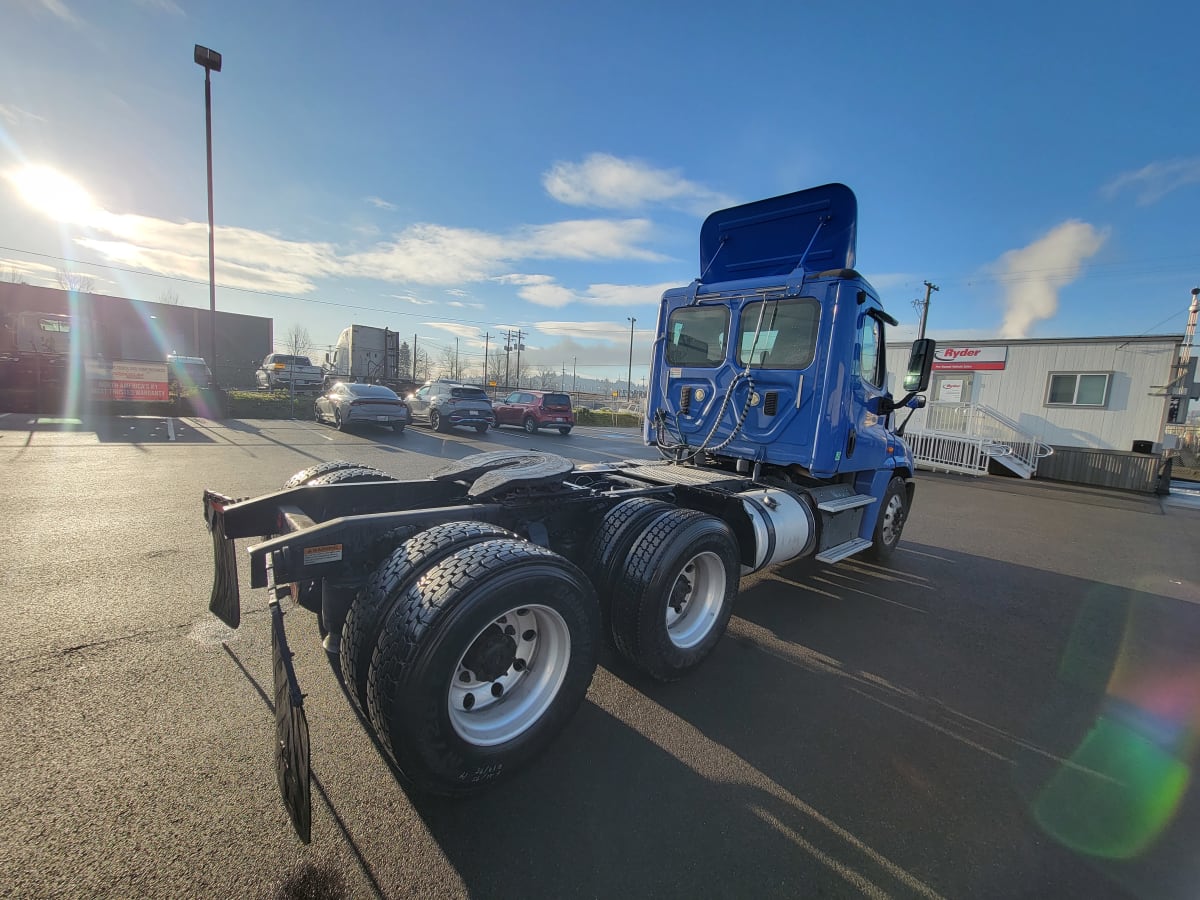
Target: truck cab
[{"x": 773, "y": 359}]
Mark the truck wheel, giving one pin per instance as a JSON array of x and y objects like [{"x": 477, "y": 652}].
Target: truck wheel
[
  {"x": 304, "y": 476},
  {"x": 674, "y": 594},
  {"x": 531, "y": 426},
  {"x": 609, "y": 546},
  {"x": 481, "y": 663},
  {"x": 893, "y": 511},
  {"x": 387, "y": 584},
  {"x": 357, "y": 475},
  {"x": 436, "y": 422}
]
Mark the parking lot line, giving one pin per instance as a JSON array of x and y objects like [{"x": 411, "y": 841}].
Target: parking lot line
[{"x": 170, "y": 428}]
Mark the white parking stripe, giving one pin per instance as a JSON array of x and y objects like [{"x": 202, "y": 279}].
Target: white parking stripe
[{"x": 170, "y": 428}]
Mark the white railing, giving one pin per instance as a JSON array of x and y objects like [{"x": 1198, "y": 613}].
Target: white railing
[{"x": 962, "y": 437}]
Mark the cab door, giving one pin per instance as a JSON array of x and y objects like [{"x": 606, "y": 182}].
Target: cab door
[{"x": 867, "y": 440}]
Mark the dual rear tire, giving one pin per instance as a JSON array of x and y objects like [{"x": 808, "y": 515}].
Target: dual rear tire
[{"x": 469, "y": 649}]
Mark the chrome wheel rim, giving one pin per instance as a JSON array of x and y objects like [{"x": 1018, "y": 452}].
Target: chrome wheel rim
[
  {"x": 435, "y": 421},
  {"x": 695, "y": 599},
  {"x": 530, "y": 426},
  {"x": 893, "y": 519},
  {"x": 509, "y": 675}
]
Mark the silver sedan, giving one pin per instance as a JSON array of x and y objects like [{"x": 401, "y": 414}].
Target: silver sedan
[{"x": 347, "y": 404}]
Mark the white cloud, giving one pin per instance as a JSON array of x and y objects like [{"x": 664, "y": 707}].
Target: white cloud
[
  {"x": 458, "y": 304},
  {"x": 608, "y": 332},
  {"x": 608, "y": 182},
  {"x": 544, "y": 291},
  {"x": 458, "y": 329},
  {"x": 380, "y": 203},
  {"x": 1033, "y": 275},
  {"x": 167, "y": 6},
  {"x": 523, "y": 279},
  {"x": 56, "y": 8},
  {"x": 1156, "y": 180},
  {"x": 886, "y": 281},
  {"x": 457, "y": 292},
  {"x": 14, "y": 115},
  {"x": 410, "y": 298}
]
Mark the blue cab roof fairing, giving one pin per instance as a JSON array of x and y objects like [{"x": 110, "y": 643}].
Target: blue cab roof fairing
[{"x": 771, "y": 237}]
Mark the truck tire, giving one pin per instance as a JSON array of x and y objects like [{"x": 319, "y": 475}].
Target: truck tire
[
  {"x": 388, "y": 582},
  {"x": 609, "y": 547},
  {"x": 304, "y": 476},
  {"x": 481, "y": 663},
  {"x": 893, "y": 512},
  {"x": 674, "y": 594},
  {"x": 357, "y": 475},
  {"x": 437, "y": 423},
  {"x": 531, "y": 426}
]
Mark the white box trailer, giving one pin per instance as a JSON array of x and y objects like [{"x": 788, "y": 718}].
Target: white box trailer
[{"x": 366, "y": 353}]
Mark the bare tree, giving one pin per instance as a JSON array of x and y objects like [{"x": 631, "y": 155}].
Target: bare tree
[
  {"x": 297, "y": 342},
  {"x": 449, "y": 365},
  {"x": 404, "y": 357},
  {"x": 76, "y": 282},
  {"x": 422, "y": 364},
  {"x": 13, "y": 276},
  {"x": 169, "y": 296},
  {"x": 548, "y": 378}
]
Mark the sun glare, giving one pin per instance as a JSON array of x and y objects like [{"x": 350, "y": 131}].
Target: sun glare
[{"x": 53, "y": 194}]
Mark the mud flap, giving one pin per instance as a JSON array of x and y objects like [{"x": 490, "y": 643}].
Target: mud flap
[
  {"x": 291, "y": 732},
  {"x": 225, "y": 602}
]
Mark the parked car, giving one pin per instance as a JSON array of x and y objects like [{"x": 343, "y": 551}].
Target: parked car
[
  {"x": 532, "y": 410},
  {"x": 283, "y": 370},
  {"x": 446, "y": 404},
  {"x": 347, "y": 404},
  {"x": 186, "y": 374}
]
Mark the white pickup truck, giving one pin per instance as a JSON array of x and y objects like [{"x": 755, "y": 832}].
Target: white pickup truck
[{"x": 283, "y": 371}]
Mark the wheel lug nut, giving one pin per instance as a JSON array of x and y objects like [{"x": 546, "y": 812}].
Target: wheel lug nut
[
  {"x": 464, "y": 676},
  {"x": 529, "y": 635},
  {"x": 468, "y": 701},
  {"x": 497, "y": 689},
  {"x": 522, "y": 612},
  {"x": 519, "y": 664}
]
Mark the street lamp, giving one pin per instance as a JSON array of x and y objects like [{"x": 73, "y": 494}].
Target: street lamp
[
  {"x": 629, "y": 376},
  {"x": 211, "y": 61}
]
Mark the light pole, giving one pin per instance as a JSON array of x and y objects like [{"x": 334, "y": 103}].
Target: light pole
[
  {"x": 211, "y": 61},
  {"x": 629, "y": 376}
]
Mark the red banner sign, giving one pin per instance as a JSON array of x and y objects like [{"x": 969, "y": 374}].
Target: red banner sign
[
  {"x": 126, "y": 380},
  {"x": 969, "y": 359}
]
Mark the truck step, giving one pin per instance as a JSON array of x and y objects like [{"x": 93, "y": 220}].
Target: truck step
[
  {"x": 841, "y": 504},
  {"x": 841, "y": 551}
]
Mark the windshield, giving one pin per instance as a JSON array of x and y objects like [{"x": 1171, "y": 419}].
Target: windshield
[
  {"x": 467, "y": 393},
  {"x": 556, "y": 400}
]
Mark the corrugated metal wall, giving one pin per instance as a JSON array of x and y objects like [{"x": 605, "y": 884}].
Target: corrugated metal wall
[{"x": 1103, "y": 468}]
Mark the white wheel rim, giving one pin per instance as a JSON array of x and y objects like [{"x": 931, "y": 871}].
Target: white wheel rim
[
  {"x": 890, "y": 531},
  {"x": 695, "y": 599},
  {"x": 486, "y": 711}
]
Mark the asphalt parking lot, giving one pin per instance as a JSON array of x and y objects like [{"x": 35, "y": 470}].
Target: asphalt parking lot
[{"x": 1011, "y": 709}]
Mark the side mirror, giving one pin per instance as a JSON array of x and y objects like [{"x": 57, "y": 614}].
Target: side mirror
[
  {"x": 917, "y": 402},
  {"x": 327, "y": 362},
  {"x": 920, "y": 364}
]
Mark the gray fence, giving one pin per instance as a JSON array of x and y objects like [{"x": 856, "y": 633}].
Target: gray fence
[{"x": 1106, "y": 468}]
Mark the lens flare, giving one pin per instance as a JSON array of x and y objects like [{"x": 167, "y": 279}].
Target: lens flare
[{"x": 53, "y": 194}]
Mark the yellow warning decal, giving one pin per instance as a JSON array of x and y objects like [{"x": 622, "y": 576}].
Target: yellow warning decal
[{"x": 325, "y": 554}]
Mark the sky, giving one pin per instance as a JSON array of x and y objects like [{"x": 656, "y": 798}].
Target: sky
[{"x": 459, "y": 169}]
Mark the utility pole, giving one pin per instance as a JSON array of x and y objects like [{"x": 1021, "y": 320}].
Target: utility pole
[
  {"x": 629, "y": 378},
  {"x": 457, "y": 371},
  {"x": 929, "y": 288},
  {"x": 574, "y": 366},
  {"x": 520, "y": 347},
  {"x": 507, "y": 354},
  {"x": 414, "y": 358},
  {"x": 487, "y": 338}
]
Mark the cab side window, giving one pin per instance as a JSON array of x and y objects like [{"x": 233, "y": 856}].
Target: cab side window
[{"x": 870, "y": 356}]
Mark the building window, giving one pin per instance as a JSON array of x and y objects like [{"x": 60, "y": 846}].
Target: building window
[{"x": 1078, "y": 389}]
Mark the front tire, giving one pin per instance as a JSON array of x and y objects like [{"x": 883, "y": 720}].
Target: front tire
[
  {"x": 674, "y": 594},
  {"x": 481, "y": 663},
  {"x": 893, "y": 513},
  {"x": 531, "y": 426},
  {"x": 436, "y": 422}
]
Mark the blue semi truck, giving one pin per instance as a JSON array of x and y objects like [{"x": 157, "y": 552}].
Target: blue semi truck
[{"x": 465, "y": 610}]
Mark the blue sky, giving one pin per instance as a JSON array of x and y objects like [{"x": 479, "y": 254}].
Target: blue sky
[{"x": 458, "y": 168}]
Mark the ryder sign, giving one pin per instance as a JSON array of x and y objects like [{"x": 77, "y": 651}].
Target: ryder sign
[{"x": 969, "y": 359}]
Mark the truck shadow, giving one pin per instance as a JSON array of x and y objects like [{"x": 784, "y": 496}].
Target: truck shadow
[
  {"x": 920, "y": 729},
  {"x": 133, "y": 430}
]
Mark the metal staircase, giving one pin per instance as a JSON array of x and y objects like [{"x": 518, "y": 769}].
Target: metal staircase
[{"x": 965, "y": 437}]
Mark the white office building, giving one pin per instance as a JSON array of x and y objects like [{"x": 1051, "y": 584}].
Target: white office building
[{"x": 1009, "y": 401}]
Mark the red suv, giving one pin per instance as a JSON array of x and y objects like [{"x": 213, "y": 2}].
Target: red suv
[{"x": 536, "y": 409}]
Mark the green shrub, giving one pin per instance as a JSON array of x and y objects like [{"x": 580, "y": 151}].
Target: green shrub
[
  {"x": 607, "y": 418},
  {"x": 263, "y": 405}
]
